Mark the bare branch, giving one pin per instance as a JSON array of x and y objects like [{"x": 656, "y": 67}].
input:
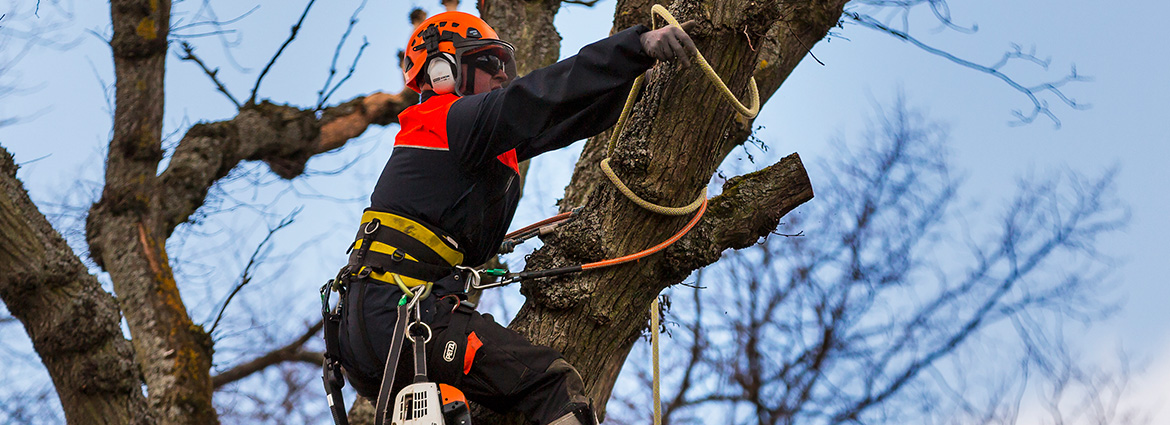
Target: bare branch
[
  {"x": 189, "y": 55},
  {"x": 352, "y": 67},
  {"x": 214, "y": 22},
  {"x": 283, "y": 136},
  {"x": 291, "y": 36},
  {"x": 293, "y": 351},
  {"x": 256, "y": 258},
  {"x": 322, "y": 97},
  {"x": 586, "y": 3},
  {"x": 1039, "y": 106}
]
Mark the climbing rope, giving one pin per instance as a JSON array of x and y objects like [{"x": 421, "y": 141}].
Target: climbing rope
[
  {"x": 713, "y": 77},
  {"x": 654, "y": 355}
]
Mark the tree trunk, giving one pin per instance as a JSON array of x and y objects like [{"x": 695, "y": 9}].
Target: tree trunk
[
  {"x": 73, "y": 323},
  {"x": 125, "y": 234}
]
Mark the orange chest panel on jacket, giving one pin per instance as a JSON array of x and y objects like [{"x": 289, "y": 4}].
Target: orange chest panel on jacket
[{"x": 424, "y": 126}]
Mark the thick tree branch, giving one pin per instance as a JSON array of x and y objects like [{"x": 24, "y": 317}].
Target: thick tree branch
[
  {"x": 74, "y": 324},
  {"x": 283, "y": 136},
  {"x": 293, "y": 351},
  {"x": 749, "y": 208},
  {"x": 528, "y": 25},
  {"x": 800, "y": 25}
]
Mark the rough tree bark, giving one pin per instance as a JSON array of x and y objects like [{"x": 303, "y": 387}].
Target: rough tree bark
[{"x": 73, "y": 323}]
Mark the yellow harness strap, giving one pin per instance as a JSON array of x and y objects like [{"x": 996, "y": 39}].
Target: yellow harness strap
[{"x": 444, "y": 246}]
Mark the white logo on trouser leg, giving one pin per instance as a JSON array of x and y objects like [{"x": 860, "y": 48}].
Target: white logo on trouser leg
[{"x": 449, "y": 352}]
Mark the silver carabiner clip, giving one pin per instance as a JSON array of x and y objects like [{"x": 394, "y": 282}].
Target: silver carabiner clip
[
  {"x": 472, "y": 280},
  {"x": 504, "y": 280}
]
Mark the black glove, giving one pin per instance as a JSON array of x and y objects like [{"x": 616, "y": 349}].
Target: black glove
[{"x": 669, "y": 43}]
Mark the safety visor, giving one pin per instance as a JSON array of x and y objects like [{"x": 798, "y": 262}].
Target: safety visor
[{"x": 491, "y": 56}]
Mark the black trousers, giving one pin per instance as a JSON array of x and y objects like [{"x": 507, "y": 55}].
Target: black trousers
[{"x": 492, "y": 365}]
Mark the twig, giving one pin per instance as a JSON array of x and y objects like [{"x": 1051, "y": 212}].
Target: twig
[
  {"x": 291, "y": 36},
  {"x": 348, "y": 74},
  {"x": 217, "y": 24},
  {"x": 189, "y": 53},
  {"x": 203, "y": 34},
  {"x": 291, "y": 352},
  {"x": 1040, "y": 107},
  {"x": 798, "y": 40},
  {"x": 227, "y": 45},
  {"x": 246, "y": 276},
  {"x": 586, "y": 3},
  {"x": 353, "y": 20}
]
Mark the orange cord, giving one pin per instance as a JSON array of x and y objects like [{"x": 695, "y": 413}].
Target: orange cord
[{"x": 651, "y": 250}]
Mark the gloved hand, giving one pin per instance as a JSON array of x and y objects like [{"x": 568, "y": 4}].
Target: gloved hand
[{"x": 669, "y": 43}]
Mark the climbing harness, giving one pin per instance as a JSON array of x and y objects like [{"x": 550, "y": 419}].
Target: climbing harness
[{"x": 381, "y": 253}]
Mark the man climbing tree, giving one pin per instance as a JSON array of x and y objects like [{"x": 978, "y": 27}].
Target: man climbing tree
[
  {"x": 448, "y": 194},
  {"x": 678, "y": 133}
]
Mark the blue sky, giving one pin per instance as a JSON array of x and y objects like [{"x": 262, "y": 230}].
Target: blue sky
[{"x": 1125, "y": 128}]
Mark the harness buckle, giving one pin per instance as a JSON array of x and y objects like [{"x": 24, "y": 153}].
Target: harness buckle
[{"x": 370, "y": 230}]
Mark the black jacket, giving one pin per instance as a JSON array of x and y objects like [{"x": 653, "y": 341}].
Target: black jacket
[{"x": 454, "y": 160}]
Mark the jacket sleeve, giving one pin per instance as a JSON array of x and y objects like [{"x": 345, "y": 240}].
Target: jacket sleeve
[{"x": 551, "y": 107}]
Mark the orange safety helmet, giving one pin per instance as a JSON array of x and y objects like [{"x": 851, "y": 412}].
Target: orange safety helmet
[{"x": 439, "y": 44}]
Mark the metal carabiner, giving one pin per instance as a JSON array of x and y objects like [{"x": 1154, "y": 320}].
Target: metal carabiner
[
  {"x": 506, "y": 280},
  {"x": 416, "y": 294},
  {"x": 472, "y": 280},
  {"x": 325, "y": 292}
]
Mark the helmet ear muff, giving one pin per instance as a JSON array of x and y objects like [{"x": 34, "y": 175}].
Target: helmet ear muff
[{"x": 441, "y": 72}]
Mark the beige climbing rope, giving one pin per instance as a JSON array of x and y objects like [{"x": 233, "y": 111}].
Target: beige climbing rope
[
  {"x": 713, "y": 77},
  {"x": 654, "y": 355}
]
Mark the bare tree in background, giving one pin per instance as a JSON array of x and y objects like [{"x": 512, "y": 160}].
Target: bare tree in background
[
  {"x": 882, "y": 306},
  {"x": 154, "y": 184}
]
